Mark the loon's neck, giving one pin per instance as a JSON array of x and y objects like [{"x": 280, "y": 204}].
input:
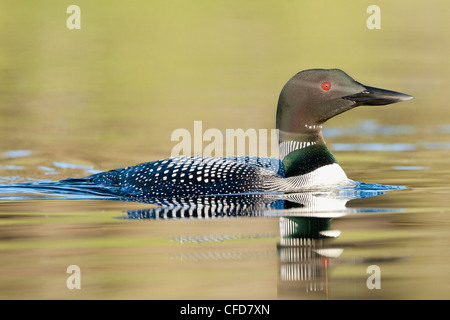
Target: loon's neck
[
  {"x": 304, "y": 151},
  {"x": 291, "y": 141}
]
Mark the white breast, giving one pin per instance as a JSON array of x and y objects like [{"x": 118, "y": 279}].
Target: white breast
[{"x": 331, "y": 174}]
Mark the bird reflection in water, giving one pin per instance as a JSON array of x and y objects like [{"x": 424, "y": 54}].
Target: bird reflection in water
[{"x": 305, "y": 249}]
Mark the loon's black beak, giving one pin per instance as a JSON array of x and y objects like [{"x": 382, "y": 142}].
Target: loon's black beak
[{"x": 371, "y": 96}]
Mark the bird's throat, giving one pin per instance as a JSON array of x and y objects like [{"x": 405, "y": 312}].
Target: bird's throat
[{"x": 302, "y": 138}]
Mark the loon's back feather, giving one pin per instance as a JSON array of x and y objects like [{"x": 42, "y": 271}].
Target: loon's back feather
[
  {"x": 190, "y": 176},
  {"x": 201, "y": 176}
]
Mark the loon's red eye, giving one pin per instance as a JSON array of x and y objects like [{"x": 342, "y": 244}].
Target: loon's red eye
[{"x": 326, "y": 86}]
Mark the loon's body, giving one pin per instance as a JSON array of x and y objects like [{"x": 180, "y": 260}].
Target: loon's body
[
  {"x": 307, "y": 100},
  {"x": 199, "y": 176}
]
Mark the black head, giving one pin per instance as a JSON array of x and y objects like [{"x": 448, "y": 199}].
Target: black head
[{"x": 311, "y": 97}]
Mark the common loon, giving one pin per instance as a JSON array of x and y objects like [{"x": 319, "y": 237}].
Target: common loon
[{"x": 306, "y": 102}]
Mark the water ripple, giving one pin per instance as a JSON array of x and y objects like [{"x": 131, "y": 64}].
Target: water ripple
[{"x": 15, "y": 154}]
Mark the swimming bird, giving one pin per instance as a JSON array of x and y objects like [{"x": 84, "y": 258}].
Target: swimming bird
[{"x": 306, "y": 102}]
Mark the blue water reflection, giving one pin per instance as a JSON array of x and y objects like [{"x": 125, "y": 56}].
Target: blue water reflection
[
  {"x": 369, "y": 127},
  {"x": 390, "y": 147},
  {"x": 16, "y": 154}
]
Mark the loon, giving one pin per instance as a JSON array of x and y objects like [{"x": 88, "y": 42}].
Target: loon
[{"x": 306, "y": 102}]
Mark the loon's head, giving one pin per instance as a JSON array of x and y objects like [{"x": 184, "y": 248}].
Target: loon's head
[{"x": 311, "y": 97}]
